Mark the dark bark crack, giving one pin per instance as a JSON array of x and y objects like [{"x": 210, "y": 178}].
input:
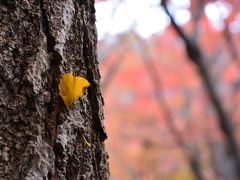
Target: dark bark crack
[
  {"x": 50, "y": 39},
  {"x": 51, "y": 123}
]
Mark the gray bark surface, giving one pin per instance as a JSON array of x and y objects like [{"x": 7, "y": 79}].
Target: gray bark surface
[{"x": 40, "y": 138}]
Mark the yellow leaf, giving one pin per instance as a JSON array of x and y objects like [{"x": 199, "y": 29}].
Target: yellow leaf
[{"x": 72, "y": 87}]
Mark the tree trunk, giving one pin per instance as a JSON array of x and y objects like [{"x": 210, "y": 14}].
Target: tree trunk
[{"x": 40, "y": 138}]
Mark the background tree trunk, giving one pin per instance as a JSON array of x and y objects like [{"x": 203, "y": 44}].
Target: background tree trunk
[{"x": 40, "y": 138}]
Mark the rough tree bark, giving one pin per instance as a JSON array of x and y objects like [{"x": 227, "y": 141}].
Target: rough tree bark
[{"x": 40, "y": 138}]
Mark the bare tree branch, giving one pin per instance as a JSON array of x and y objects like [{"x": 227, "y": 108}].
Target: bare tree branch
[
  {"x": 197, "y": 13},
  {"x": 228, "y": 38},
  {"x": 115, "y": 66},
  {"x": 195, "y": 55},
  {"x": 190, "y": 152},
  {"x": 108, "y": 78}
]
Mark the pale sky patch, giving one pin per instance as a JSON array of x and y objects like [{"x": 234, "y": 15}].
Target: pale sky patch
[
  {"x": 146, "y": 17},
  {"x": 234, "y": 26},
  {"x": 217, "y": 12}
]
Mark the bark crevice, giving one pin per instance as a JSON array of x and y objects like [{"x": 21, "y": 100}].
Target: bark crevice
[{"x": 51, "y": 42}]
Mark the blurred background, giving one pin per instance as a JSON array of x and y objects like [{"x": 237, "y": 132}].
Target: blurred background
[{"x": 171, "y": 85}]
